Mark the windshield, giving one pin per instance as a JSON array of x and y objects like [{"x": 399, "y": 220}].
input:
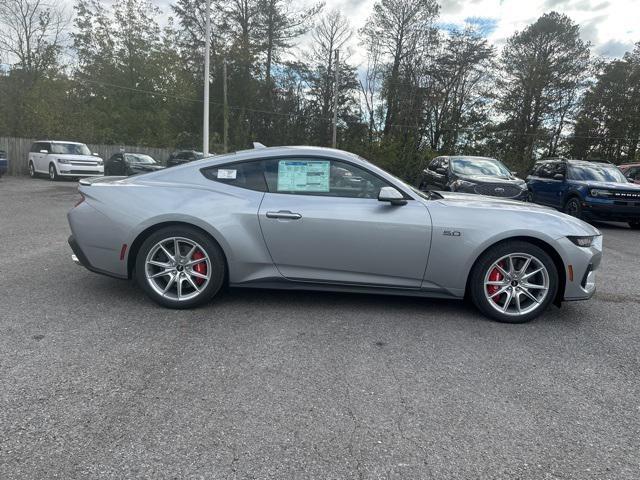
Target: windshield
[
  {"x": 479, "y": 166},
  {"x": 70, "y": 149},
  {"x": 596, "y": 173},
  {"x": 139, "y": 158}
]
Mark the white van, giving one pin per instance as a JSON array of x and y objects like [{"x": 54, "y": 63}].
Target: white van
[{"x": 63, "y": 159}]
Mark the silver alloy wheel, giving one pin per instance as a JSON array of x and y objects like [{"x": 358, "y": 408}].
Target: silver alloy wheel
[
  {"x": 173, "y": 272},
  {"x": 516, "y": 284}
]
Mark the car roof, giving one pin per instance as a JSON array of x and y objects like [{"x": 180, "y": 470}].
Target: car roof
[{"x": 58, "y": 141}]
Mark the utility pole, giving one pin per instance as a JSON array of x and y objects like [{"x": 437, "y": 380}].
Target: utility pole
[
  {"x": 225, "y": 112},
  {"x": 335, "y": 99},
  {"x": 205, "y": 119}
]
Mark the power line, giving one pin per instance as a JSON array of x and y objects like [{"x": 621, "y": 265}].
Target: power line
[
  {"x": 188, "y": 99},
  {"x": 315, "y": 117}
]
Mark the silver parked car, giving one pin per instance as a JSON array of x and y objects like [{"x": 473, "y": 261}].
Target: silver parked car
[{"x": 322, "y": 219}]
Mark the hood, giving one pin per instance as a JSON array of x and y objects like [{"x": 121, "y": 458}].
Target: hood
[
  {"x": 490, "y": 179},
  {"x": 472, "y": 201},
  {"x": 77, "y": 158},
  {"x": 609, "y": 185}
]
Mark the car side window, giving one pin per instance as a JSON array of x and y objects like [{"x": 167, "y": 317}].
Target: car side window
[
  {"x": 434, "y": 164},
  {"x": 249, "y": 175},
  {"x": 321, "y": 177},
  {"x": 546, "y": 170},
  {"x": 35, "y": 148}
]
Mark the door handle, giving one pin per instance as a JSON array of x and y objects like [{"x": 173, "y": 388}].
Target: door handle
[{"x": 284, "y": 214}]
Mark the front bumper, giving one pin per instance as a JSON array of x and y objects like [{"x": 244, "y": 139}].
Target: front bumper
[
  {"x": 611, "y": 210},
  {"x": 78, "y": 170},
  {"x": 580, "y": 266}
]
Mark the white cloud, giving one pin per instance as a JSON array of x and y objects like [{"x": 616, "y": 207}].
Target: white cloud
[{"x": 611, "y": 25}]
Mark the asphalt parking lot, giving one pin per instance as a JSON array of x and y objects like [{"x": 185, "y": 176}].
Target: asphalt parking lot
[{"x": 98, "y": 382}]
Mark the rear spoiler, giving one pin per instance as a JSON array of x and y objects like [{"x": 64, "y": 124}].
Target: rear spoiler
[{"x": 91, "y": 180}]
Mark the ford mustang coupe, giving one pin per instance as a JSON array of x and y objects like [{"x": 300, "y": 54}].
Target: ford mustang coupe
[{"x": 322, "y": 219}]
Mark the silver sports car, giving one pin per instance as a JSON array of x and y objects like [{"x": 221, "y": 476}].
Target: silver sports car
[{"x": 322, "y": 219}]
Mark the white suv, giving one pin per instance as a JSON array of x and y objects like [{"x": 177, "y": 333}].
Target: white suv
[{"x": 64, "y": 159}]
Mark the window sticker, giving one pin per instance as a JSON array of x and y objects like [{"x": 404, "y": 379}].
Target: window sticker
[
  {"x": 227, "y": 174},
  {"x": 303, "y": 176}
]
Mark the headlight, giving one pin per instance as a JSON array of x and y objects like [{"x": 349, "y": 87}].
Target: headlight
[
  {"x": 582, "y": 241},
  {"x": 598, "y": 192},
  {"x": 458, "y": 184},
  {"x": 64, "y": 161},
  {"x": 100, "y": 163}
]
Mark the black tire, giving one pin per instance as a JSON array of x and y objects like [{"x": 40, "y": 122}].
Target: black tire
[
  {"x": 573, "y": 207},
  {"x": 53, "y": 173},
  {"x": 211, "y": 249},
  {"x": 493, "y": 254},
  {"x": 635, "y": 225},
  {"x": 32, "y": 170}
]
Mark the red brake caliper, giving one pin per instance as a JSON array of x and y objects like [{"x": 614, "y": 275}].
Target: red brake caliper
[
  {"x": 199, "y": 267},
  {"x": 494, "y": 276}
]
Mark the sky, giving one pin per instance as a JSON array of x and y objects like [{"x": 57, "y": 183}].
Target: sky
[{"x": 612, "y": 26}]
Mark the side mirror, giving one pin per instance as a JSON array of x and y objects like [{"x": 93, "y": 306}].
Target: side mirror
[
  {"x": 43, "y": 151},
  {"x": 95, "y": 154},
  {"x": 514, "y": 173},
  {"x": 558, "y": 176},
  {"x": 391, "y": 195}
]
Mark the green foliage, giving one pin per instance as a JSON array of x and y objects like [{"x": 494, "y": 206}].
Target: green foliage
[{"x": 420, "y": 92}]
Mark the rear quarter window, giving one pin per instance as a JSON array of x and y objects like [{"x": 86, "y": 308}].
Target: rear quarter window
[{"x": 248, "y": 175}]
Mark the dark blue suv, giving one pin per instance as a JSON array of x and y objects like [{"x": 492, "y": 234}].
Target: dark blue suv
[{"x": 584, "y": 189}]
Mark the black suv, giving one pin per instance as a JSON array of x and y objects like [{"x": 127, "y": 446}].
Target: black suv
[
  {"x": 585, "y": 189},
  {"x": 481, "y": 175},
  {"x": 183, "y": 156}
]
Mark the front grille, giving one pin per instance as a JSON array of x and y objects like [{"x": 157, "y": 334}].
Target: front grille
[
  {"x": 85, "y": 172},
  {"x": 625, "y": 195},
  {"x": 503, "y": 190}
]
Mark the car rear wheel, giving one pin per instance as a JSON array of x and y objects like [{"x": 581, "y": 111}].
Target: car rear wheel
[
  {"x": 180, "y": 267},
  {"x": 573, "y": 208},
  {"x": 513, "y": 282},
  {"x": 53, "y": 173}
]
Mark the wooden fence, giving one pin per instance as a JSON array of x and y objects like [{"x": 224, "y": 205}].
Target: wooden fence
[{"x": 18, "y": 152}]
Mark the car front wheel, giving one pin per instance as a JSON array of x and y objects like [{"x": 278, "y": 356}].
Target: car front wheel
[
  {"x": 53, "y": 174},
  {"x": 180, "y": 267},
  {"x": 573, "y": 208},
  {"x": 32, "y": 170},
  {"x": 513, "y": 282}
]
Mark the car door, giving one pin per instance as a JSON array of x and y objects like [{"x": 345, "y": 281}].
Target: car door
[
  {"x": 117, "y": 164},
  {"x": 322, "y": 222},
  {"x": 544, "y": 186},
  {"x": 42, "y": 163}
]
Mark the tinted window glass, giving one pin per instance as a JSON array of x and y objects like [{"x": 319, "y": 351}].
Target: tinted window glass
[
  {"x": 248, "y": 175},
  {"x": 70, "y": 149},
  {"x": 479, "y": 166},
  {"x": 546, "y": 170},
  {"x": 316, "y": 176},
  {"x": 434, "y": 163},
  {"x": 138, "y": 158},
  {"x": 596, "y": 173}
]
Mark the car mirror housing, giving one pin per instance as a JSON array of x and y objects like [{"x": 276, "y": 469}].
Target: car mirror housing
[
  {"x": 391, "y": 195},
  {"x": 43, "y": 151},
  {"x": 558, "y": 176}
]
